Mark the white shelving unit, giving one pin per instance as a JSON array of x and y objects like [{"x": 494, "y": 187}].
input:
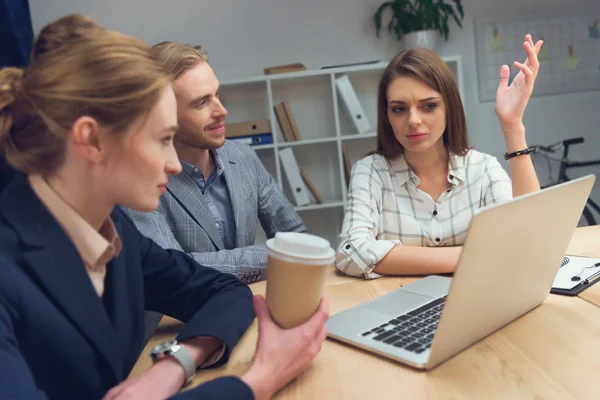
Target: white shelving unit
[{"x": 324, "y": 127}]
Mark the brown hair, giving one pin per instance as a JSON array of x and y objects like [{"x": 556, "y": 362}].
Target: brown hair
[
  {"x": 429, "y": 68},
  {"x": 78, "y": 68},
  {"x": 178, "y": 57}
]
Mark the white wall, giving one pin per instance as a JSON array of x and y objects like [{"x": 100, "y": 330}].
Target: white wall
[{"x": 244, "y": 37}]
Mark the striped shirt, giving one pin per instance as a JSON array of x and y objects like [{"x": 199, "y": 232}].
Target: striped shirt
[{"x": 385, "y": 207}]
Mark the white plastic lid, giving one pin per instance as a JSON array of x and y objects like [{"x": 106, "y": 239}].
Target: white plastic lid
[{"x": 301, "y": 245}]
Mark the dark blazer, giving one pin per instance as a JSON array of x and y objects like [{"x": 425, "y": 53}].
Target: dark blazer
[
  {"x": 59, "y": 340},
  {"x": 6, "y": 173}
]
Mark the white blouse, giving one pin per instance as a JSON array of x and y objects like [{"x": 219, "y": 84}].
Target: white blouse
[{"x": 386, "y": 208}]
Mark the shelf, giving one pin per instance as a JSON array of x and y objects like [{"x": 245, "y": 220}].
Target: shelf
[
  {"x": 310, "y": 101},
  {"x": 263, "y": 146},
  {"x": 320, "y": 206},
  {"x": 245, "y": 102},
  {"x": 316, "y": 72},
  {"x": 359, "y": 136},
  {"x": 307, "y": 142},
  {"x": 324, "y": 127}
]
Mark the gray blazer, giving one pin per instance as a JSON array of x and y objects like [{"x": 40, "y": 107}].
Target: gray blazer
[{"x": 183, "y": 221}]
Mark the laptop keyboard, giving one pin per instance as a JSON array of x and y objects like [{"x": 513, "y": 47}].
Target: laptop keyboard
[{"x": 412, "y": 331}]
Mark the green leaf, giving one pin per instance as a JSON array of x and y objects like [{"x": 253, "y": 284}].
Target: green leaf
[
  {"x": 459, "y": 7},
  {"x": 378, "y": 13},
  {"x": 414, "y": 15},
  {"x": 445, "y": 27}
]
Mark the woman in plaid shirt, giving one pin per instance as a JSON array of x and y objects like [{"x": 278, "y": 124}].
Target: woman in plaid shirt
[{"x": 410, "y": 203}]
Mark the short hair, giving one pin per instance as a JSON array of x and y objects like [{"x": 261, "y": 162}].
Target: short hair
[
  {"x": 430, "y": 69},
  {"x": 78, "y": 68},
  {"x": 178, "y": 58}
]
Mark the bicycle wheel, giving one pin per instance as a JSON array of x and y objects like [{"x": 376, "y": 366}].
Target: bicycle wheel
[{"x": 587, "y": 218}]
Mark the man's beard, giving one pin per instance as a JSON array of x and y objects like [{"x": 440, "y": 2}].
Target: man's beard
[{"x": 195, "y": 140}]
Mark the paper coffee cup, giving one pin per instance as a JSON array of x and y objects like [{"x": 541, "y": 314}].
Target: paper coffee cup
[{"x": 296, "y": 276}]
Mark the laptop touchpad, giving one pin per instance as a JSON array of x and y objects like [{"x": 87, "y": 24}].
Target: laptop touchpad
[{"x": 398, "y": 302}]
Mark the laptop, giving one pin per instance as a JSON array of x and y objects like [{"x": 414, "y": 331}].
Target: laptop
[{"x": 509, "y": 260}]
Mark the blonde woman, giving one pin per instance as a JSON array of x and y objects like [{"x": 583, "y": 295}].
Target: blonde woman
[{"x": 89, "y": 124}]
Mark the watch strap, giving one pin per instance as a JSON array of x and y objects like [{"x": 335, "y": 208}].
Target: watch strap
[{"x": 186, "y": 361}]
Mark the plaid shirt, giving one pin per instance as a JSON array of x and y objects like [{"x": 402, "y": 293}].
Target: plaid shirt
[{"x": 385, "y": 207}]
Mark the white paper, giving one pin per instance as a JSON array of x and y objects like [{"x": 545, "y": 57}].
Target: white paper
[{"x": 575, "y": 266}]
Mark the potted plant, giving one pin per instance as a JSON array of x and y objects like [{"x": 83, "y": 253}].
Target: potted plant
[{"x": 418, "y": 22}]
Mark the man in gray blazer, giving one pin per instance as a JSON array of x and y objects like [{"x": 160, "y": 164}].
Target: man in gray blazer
[{"x": 211, "y": 209}]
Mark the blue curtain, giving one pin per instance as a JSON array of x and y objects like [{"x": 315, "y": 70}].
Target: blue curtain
[
  {"x": 16, "y": 40},
  {"x": 16, "y": 33}
]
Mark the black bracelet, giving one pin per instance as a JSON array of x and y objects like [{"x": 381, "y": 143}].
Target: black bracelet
[{"x": 518, "y": 153}]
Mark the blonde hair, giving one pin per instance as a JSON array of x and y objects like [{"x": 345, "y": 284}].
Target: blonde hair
[
  {"x": 178, "y": 57},
  {"x": 78, "y": 68}
]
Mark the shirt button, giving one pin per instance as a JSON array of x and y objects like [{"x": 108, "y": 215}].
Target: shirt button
[
  {"x": 451, "y": 176},
  {"x": 196, "y": 170},
  {"x": 448, "y": 191},
  {"x": 434, "y": 213},
  {"x": 217, "y": 224},
  {"x": 437, "y": 239}
]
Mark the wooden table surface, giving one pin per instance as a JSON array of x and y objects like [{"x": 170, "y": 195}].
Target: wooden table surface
[{"x": 553, "y": 352}]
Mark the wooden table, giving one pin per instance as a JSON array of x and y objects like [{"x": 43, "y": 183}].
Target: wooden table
[{"x": 553, "y": 352}]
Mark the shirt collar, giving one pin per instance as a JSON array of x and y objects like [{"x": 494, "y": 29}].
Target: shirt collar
[
  {"x": 404, "y": 174},
  {"x": 402, "y": 171},
  {"x": 456, "y": 167},
  {"x": 188, "y": 168},
  {"x": 96, "y": 247}
]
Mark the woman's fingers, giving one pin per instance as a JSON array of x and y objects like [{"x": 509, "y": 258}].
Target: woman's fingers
[
  {"x": 315, "y": 346},
  {"x": 532, "y": 50},
  {"x": 504, "y": 75},
  {"x": 315, "y": 323},
  {"x": 528, "y": 76},
  {"x": 262, "y": 313},
  {"x": 322, "y": 335},
  {"x": 525, "y": 69},
  {"x": 538, "y": 46}
]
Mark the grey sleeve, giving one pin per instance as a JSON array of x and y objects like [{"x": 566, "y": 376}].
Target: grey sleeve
[{"x": 247, "y": 263}]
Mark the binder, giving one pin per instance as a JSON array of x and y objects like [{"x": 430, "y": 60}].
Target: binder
[
  {"x": 280, "y": 69},
  {"x": 291, "y": 120},
  {"x": 347, "y": 165},
  {"x": 352, "y": 104},
  {"x": 311, "y": 187},
  {"x": 288, "y": 162},
  {"x": 355, "y": 64},
  {"x": 247, "y": 128},
  {"x": 284, "y": 124},
  {"x": 254, "y": 140}
]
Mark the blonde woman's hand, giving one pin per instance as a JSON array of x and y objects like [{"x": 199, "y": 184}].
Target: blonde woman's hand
[{"x": 282, "y": 354}]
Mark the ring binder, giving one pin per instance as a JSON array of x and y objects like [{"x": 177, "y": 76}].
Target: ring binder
[
  {"x": 288, "y": 162},
  {"x": 254, "y": 140},
  {"x": 353, "y": 106}
]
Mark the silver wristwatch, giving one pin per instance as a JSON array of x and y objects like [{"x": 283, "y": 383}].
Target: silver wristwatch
[{"x": 174, "y": 349}]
